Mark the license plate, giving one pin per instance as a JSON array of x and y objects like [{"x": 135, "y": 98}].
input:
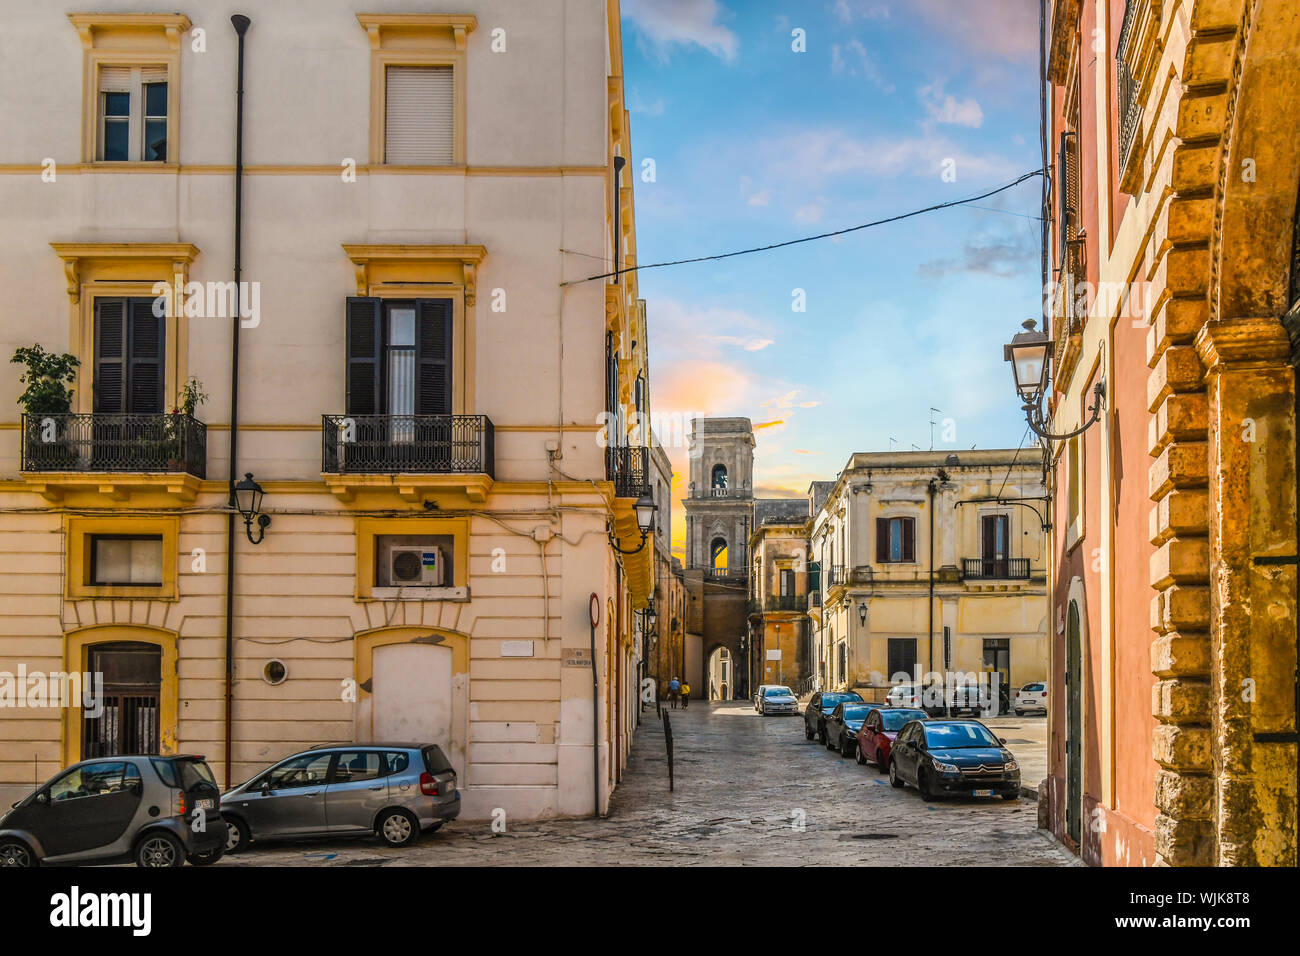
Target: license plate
[
  {"x": 204, "y": 804},
  {"x": 982, "y": 793}
]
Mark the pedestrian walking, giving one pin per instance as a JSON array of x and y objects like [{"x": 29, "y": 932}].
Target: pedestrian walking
[
  {"x": 674, "y": 688},
  {"x": 686, "y": 695}
]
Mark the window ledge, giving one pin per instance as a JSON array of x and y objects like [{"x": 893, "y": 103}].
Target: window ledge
[
  {"x": 419, "y": 594},
  {"x": 449, "y": 492}
]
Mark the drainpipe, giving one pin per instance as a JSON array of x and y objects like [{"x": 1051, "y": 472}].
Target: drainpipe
[
  {"x": 619, "y": 163},
  {"x": 930, "y": 574},
  {"x": 241, "y": 24}
]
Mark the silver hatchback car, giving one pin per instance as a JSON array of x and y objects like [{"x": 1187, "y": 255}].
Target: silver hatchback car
[{"x": 393, "y": 790}]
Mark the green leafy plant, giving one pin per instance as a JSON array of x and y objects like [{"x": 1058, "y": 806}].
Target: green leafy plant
[
  {"x": 48, "y": 376},
  {"x": 192, "y": 396}
]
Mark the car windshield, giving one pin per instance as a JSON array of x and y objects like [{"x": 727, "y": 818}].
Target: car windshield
[
  {"x": 953, "y": 736},
  {"x": 830, "y": 700},
  {"x": 779, "y": 692},
  {"x": 857, "y": 711},
  {"x": 1032, "y": 687},
  {"x": 895, "y": 719},
  {"x": 905, "y": 690}
]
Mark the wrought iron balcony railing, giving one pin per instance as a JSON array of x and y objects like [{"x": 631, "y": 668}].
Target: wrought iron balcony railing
[
  {"x": 1006, "y": 569},
  {"x": 837, "y": 576},
  {"x": 814, "y": 599},
  {"x": 1130, "y": 106},
  {"x": 628, "y": 467},
  {"x": 120, "y": 443},
  {"x": 408, "y": 444}
]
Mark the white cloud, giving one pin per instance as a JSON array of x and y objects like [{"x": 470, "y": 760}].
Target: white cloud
[
  {"x": 636, "y": 105},
  {"x": 814, "y": 155},
  {"x": 664, "y": 24},
  {"x": 760, "y": 198},
  {"x": 809, "y": 213},
  {"x": 944, "y": 108},
  {"x": 849, "y": 10},
  {"x": 852, "y": 58}
]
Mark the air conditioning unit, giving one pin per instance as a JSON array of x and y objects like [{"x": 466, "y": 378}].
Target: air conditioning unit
[{"x": 414, "y": 567}]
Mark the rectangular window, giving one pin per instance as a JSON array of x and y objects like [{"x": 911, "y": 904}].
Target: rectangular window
[
  {"x": 419, "y": 116},
  {"x": 993, "y": 545},
  {"x": 132, "y": 114},
  {"x": 895, "y": 540},
  {"x": 129, "y": 356},
  {"x": 787, "y": 582},
  {"x": 126, "y": 560},
  {"x": 399, "y": 357},
  {"x": 902, "y": 656}
]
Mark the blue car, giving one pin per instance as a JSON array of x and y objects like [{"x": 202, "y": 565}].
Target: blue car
[{"x": 843, "y": 724}]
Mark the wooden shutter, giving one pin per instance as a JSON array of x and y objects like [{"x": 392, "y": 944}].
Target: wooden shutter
[
  {"x": 145, "y": 369},
  {"x": 909, "y": 538},
  {"x": 1067, "y": 171},
  {"x": 365, "y": 345},
  {"x": 882, "y": 539},
  {"x": 109, "y": 386},
  {"x": 419, "y": 116},
  {"x": 433, "y": 357},
  {"x": 115, "y": 79}
]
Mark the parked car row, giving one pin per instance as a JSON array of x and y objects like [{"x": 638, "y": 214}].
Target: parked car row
[
  {"x": 936, "y": 755},
  {"x": 168, "y": 810}
]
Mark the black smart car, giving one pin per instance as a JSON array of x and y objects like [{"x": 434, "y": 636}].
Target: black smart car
[
  {"x": 819, "y": 707},
  {"x": 953, "y": 756},
  {"x": 159, "y": 811}
]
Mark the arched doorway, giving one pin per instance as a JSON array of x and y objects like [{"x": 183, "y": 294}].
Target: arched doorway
[{"x": 722, "y": 675}]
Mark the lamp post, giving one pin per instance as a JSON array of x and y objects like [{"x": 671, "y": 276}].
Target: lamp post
[
  {"x": 645, "y": 509},
  {"x": 1029, "y": 353},
  {"x": 248, "y": 499}
]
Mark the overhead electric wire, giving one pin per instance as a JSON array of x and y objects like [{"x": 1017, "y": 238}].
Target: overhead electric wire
[{"x": 824, "y": 235}]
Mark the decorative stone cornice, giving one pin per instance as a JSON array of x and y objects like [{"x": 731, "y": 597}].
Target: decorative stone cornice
[
  {"x": 76, "y": 255},
  {"x": 435, "y": 264},
  {"x": 380, "y": 27},
  {"x": 1242, "y": 343},
  {"x": 170, "y": 25}
]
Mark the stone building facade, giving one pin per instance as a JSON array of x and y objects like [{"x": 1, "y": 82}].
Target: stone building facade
[
  {"x": 439, "y": 542},
  {"x": 779, "y": 627},
  {"x": 1174, "y": 558}
]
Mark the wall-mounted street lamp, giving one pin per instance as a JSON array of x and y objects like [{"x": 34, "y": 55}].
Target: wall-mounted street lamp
[
  {"x": 862, "y": 613},
  {"x": 1029, "y": 354},
  {"x": 248, "y": 499},
  {"x": 645, "y": 509}
]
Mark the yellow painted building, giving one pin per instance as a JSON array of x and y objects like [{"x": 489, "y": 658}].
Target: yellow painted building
[
  {"x": 424, "y": 377},
  {"x": 929, "y": 563}
]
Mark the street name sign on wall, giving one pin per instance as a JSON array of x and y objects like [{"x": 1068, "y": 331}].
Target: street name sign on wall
[{"x": 576, "y": 657}]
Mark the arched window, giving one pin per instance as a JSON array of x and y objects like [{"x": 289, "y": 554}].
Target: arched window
[
  {"x": 718, "y": 554},
  {"x": 720, "y": 477}
]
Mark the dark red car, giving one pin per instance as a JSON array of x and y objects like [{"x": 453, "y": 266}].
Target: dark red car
[{"x": 878, "y": 733}]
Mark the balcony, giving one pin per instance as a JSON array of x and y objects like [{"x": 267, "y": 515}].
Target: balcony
[
  {"x": 814, "y": 599},
  {"x": 414, "y": 455},
  {"x": 114, "y": 455},
  {"x": 837, "y": 577},
  {"x": 995, "y": 569},
  {"x": 1130, "y": 103},
  {"x": 629, "y": 469},
  {"x": 728, "y": 576},
  {"x": 779, "y": 602}
]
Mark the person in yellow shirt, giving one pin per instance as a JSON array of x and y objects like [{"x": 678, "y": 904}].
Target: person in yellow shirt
[{"x": 686, "y": 695}]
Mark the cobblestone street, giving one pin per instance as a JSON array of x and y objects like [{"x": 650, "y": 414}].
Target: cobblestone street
[{"x": 743, "y": 782}]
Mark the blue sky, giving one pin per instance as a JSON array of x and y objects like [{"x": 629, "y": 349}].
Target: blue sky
[{"x": 754, "y": 143}]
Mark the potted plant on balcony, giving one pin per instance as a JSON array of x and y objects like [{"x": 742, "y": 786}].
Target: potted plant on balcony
[
  {"x": 175, "y": 432},
  {"x": 48, "y": 377}
]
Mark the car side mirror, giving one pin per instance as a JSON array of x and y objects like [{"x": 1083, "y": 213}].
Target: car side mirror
[
  {"x": 264, "y": 787},
  {"x": 1002, "y": 740},
  {"x": 41, "y": 798}
]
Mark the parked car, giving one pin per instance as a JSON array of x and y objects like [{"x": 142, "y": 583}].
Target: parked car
[
  {"x": 879, "y": 730},
  {"x": 156, "y": 810},
  {"x": 777, "y": 699},
  {"x": 821, "y": 704},
  {"x": 953, "y": 756},
  {"x": 909, "y": 695},
  {"x": 758, "y": 695},
  {"x": 395, "y": 791},
  {"x": 843, "y": 724},
  {"x": 1032, "y": 698}
]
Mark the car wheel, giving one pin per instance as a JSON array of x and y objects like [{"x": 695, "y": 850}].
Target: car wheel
[
  {"x": 821, "y": 735},
  {"x": 846, "y": 748},
  {"x": 808, "y": 734},
  {"x": 881, "y": 763},
  {"x": 207, "y": 858},
  {"x": 159, "y": 849},
  {"x": 237, "y": 835},
  {"x": 1010, "y": 796},
  {"x": 16, "y": 853},
  {"x": 398, "y": 828},
  {"x": 894, "y": 779},
  {"x": 859, "y": 756},
  {"x": 1019, "y": 712},
  {"x": 923, "y": 784}
]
